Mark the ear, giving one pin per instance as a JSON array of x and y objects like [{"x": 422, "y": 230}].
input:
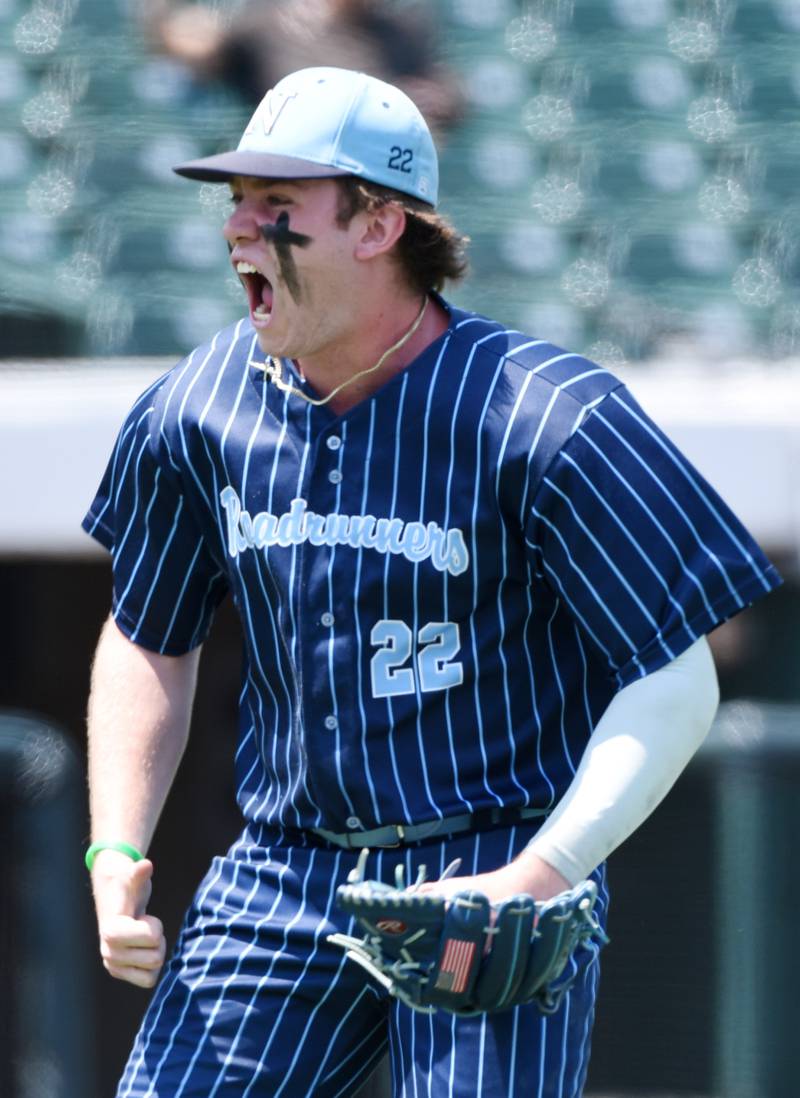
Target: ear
[{"x": 380, "y": 231}]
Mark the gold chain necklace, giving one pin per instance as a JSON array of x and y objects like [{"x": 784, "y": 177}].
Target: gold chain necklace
[{"x": 272, "y": 367}]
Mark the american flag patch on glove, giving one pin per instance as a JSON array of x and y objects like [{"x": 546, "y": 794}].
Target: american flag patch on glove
[{"x": 456, "y": 964}]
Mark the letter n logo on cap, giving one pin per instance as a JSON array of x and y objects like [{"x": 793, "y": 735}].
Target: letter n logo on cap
[{"x": 269, "y": 110}]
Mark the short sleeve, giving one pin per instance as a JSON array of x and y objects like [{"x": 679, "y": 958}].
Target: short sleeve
[
  {"x": 166, "y": 583},
  {"x": 642, "y": 550}
]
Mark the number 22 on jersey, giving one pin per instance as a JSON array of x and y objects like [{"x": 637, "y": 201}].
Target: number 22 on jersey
[{"x": 434, "y": 667}]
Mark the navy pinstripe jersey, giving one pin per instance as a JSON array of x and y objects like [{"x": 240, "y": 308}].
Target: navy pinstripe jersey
[{"x": 440, "y": 590}]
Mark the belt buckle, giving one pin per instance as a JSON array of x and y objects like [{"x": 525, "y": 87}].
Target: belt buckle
[{"x": 401, "y": 834}]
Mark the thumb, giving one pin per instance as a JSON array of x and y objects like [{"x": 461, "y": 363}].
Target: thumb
[
  {"x": 122, "y": 887},
  {"x": 141, "y": 886}
]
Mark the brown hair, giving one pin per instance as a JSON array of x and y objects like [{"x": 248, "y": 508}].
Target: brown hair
[{"x": 430, "y": 251}]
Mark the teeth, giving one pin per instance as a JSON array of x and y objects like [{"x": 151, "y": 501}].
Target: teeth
[
  {"x": 245, "y": 268},
  {"x": 262, "y": 310}
]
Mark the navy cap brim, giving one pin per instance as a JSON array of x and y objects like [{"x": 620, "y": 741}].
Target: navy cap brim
[{"x": 223, "y": 166}]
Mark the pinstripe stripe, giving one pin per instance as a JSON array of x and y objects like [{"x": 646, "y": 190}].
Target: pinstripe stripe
[
  {"x": 463, "y": 798},
  {"x": 581, "y": 377},
  {"x": 552, "y": 361},
  {"x": 302, "y": 1050},
  {"x": 565, "y": 1012},
  {"x": 408, "y": 817},
  {"x": 208, "y": 496},
  {"x": 502, "y": 585},
  {"x": 360, "y": 663},
  {"x": 293, "y": 604},
  {"x": 526, "y": 346},
  {"x": 412, "y": 1051},
  {"x": 581, "y": 1062},
  {"x": 203, "y": 616},
  {"x": 634, "y": 543},
  {"x": 221, "y": 996},
  {"x": 540, "y": 429},
  {"x": 160, "y": 565},
  {"x": 582, "y": 621},
  {"x": 657, "y": 523},
  {"x": 712, "y": 556},
  {"x": 529, "y": 657},
  {"x": 259, "y": 728},
  {"x": 135, "y": 433},
  {"x": 585, "y": 695},
  {"x": 557, "y": 678},
  {"x": 362, "y": 1075},
  {"x": 501, "y": 630},
  {"x": 586, "y": 581},
  {"x": 179, "y": 598},
  {"x": 147, "y": 512},
  {"x": 331, "y": 668},
  {"x": 376, "y": 1037},
  {"x": 685, "y": 470},
  {"x": 263, "y": 921},
  {"x": 416, "y": 582},
  {"x": 612, "y": 566},
  {"x": 457, "y": 403},
  {"x": 255, "y": 648},
  {"x": 543, "y": 1052},
  {"x": 426, "y": 1023},
  {"x": 268, "y": 915},
  {"x": 481, "y": 1055},
  {"x": 585, "y": 411},
  {"x": 280, "y": 642},
  {"x": 289, "y": 997},
  {"x": 179, "y": 374},
  {"x": 117, "y": 475}
]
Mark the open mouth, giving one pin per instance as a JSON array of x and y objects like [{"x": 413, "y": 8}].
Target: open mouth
[{"x": 259, "y": 290}]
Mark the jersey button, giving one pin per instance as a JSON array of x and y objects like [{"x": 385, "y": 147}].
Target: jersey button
[
  {"x": 331, "y": 722},
  {"x": 333, "y": 442},
  {"x": 327, "y": 618},
  {"x": 354, "y": 823},
  {"x": 334, "y": 476}
]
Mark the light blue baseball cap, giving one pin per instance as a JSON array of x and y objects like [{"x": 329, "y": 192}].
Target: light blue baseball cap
[{"x": 324, "y": 122}]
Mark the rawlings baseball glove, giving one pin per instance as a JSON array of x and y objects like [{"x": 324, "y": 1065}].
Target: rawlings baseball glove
[{"x": 465, "y": 954}]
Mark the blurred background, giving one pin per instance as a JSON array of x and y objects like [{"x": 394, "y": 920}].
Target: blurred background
[{"x": 627, "y": 171}]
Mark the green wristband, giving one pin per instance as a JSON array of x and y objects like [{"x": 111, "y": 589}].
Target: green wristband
[{"x": 123, "y": 848}]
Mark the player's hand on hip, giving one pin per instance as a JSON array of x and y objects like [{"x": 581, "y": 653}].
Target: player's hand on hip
[{"x": 132, "y": 943}]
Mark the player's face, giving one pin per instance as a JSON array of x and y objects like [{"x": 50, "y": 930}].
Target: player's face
[{"x": 293, "y": 260}]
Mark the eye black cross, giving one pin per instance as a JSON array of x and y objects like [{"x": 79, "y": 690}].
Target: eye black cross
[{"x": 281, "y": 235}]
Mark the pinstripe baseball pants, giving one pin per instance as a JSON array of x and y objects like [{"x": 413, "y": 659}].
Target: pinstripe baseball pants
[{"x": 256, "y": 1003}]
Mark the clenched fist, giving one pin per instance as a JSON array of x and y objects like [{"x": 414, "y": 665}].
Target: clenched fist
[{"x": 131, "y": 942}]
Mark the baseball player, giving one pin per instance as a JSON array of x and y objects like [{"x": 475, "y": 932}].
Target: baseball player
[{"x": 474, "y": 582}]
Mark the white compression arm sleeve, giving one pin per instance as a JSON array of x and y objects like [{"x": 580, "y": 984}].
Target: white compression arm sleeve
[{"x": 641, "y": 744}]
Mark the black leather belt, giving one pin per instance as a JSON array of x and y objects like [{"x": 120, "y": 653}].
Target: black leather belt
[{"x": 390, "y": 835}]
